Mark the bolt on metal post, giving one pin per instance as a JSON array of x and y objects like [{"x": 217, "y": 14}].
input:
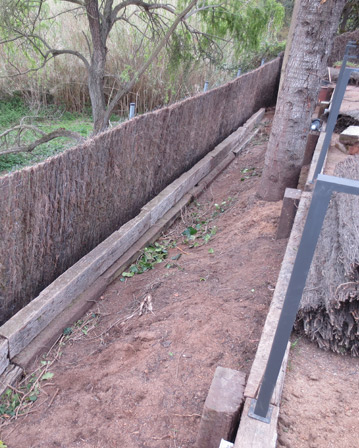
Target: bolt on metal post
[{"x": 132, "y": 110}]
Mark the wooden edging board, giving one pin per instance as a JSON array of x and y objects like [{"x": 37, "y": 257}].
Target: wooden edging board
[
  {"x": 19, "y": 331},
  {"x": 254, "y": 433}
]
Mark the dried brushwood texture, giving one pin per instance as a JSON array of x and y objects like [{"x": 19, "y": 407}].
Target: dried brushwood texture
[
  {"x": 54, "y": 213},
  {"x": 339, "y": 45},
  {"x": 329, "y": 309}
]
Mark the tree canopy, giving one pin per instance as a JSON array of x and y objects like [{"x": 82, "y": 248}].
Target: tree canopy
[{"x": 185, "y": 29}]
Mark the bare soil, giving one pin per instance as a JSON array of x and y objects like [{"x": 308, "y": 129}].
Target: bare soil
[{"x": 320, "y": 402}]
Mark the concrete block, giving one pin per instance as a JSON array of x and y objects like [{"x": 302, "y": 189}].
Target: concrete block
[
  {"x": 350, "y": 136},
  {"x": 289, "y": 209},
  {"x": 225, "y": 444},
  {"x": 221, "y": 409}
]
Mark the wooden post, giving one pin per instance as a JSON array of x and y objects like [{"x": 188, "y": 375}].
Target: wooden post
[{"x": 289, "y": 210}]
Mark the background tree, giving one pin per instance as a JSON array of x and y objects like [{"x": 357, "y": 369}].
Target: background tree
[
  {"x": 313, "y": 26},
  {"x": 202, "y": 27},
  {"x": 349, "y": 20}
]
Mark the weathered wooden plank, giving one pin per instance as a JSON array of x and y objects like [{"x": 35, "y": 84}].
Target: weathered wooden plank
[
  {"x": 289, "y": 209},
  {"x": 244, "y": 143},
  {"x": 270, "y": 326},
  {"x": 9, "y": 377},
  {"x": 254, "y": 433},
  {"x": 4, "y": 354},
  {"x": 149, "y": 237},
  {"x": 254, "y": 120},
  {"x": 174, "y": 192},
  {"x": 277, "y": 393},
  {"x": 207, "y": 180},
  {"x": 318, "y": 148},
  {"x": 22, "y": 328}
]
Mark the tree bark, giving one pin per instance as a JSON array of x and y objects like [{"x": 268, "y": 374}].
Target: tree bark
[
  {"x": 307, "y": 55},
  {"x": 96, "y": 71}
]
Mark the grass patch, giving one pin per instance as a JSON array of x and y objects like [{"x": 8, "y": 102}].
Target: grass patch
[{"x": 47, "y": 119}]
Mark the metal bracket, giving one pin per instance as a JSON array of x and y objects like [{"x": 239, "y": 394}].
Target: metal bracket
[{"x": 251, "y": 413}]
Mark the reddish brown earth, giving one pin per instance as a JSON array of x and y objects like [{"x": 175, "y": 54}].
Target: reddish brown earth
[
  {"x": 142, "y": 382},
  {"x": 320, "y": 402}
]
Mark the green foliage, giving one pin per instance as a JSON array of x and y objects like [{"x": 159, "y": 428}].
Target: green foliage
[
  {"x": 150, "y": 256},
  {"x": 350, "y": 17},
  {"x": 247, "y": 173},
  {"x": 13, "y": 109}
]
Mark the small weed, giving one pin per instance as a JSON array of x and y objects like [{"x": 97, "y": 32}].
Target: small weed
[
  {"x": 223, "y": 206},
  {"x": 14, "y": 402},
  {"x": 151, "y": 256},
  {"x": 294, "y": 343},
  {"x": 249, "y": 172},
  {"x": 201, "y": 231}
]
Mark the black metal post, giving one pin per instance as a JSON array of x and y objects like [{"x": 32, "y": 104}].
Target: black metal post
[
  {"x": 324, "y": 188},
  {"x": 332, "y": 119},
  {"x": 337, "y": 99}
]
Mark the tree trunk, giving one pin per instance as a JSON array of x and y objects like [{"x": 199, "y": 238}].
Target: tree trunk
[
  {"x": 96, "y": 72},
  {"x": 307, "y": 55}
]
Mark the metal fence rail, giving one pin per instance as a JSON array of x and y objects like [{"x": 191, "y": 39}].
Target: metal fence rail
[
  {"x": 337, "y": 99},
  {"x": 324, "y": 187}
]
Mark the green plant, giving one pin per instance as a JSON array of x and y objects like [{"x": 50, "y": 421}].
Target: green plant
[
  {"x": 200, "y": 233},
  {"x": 150, "y": 256},
  {"x": 223, "y": 206},
  {"x": 12, "y": 110},
  {"x": 15, "y": 401},
  {"x": 249, "y": 172}
]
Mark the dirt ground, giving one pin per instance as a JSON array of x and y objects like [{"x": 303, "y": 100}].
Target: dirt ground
[{"x": 320, "y": 402}]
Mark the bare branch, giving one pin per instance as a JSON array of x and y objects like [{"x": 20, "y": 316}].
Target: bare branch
[
  {"x": 22, "y": 127},
  {"x": 153, "y": 56},
  {"x": 61, "y": 132},
  {"x": 142, "y": 4},
  {"x": 76, "y": 2}
]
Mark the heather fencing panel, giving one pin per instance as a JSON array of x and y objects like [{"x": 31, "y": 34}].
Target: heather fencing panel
[{"x": 54, "y": 213}]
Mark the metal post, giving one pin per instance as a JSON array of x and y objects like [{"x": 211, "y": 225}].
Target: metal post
[
  {"x": 239, "y": 72},
  {"x": 325, "y": 185},
  {"x": 205, "y": 88},
  {"x": 332, "y": 119},
  {"x": 132, "y": 110},
  {"x": 337, "y": 99},
  {"x": 263, "y": 61}
]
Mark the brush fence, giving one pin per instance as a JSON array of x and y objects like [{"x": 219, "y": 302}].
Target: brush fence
[{"x": 54, "y": 213}]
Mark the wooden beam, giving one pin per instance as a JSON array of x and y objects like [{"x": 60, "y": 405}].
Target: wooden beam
[
  {"x": 11, "y": 374},
  {"x": 4, "y": 354},
  {"x": 255, "y": 434},
  {"x": 270, "y": 326}
]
